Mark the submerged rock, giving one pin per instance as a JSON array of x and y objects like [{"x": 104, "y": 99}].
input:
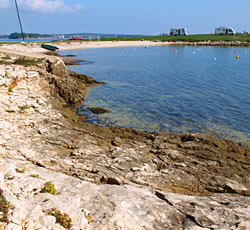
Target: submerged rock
[{"x": 98, "y": 110}]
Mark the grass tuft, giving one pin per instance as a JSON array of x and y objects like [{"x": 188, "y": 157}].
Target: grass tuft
[
  {"x": 21, "y": 170},
  {"x": 35, "y": 176},
  {"x": 63, "y": 219},
  {"x": 4, "y": 62},
  {"x": 27, "y": 62},
  {"x": 4, "y": 208},
  {"x": 23, "y": 107}
]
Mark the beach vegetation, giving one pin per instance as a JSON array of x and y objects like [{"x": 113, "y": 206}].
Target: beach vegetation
[
  {"x": 21, "y": 170},
  {"x": 4, "y": 62},
  {"x": 188, "y": 38},
  {"x": 61, "y": 218},
  {"x": 49, "y": 188},
  {"x": 4, "y": 208},
  {"x": 89, "y": 218},
  {"x": 7, "y": 57},
  {"x": 35, "y": 175},
  {"x": 10, "y": 89},
  {"x": 23, "y": 107},
  {"x": 27, "y": 62},
  {"x": 2, "y": 43},
  {"x": 46, "y": 200}
]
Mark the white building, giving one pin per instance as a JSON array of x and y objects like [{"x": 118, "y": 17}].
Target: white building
[
  {"x": 176, "y": 32},
  {"x": 224, "y": 30}
]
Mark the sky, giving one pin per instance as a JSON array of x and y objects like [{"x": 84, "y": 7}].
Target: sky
[{"x": 148, "y": 17}]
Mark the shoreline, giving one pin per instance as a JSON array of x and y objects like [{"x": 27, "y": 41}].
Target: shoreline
[
  {"x": 34, "y": 48},
  {"x": 107, "y": 177}
]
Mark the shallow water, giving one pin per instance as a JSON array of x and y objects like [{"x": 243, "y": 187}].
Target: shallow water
[{"x": 203, "y": 89}]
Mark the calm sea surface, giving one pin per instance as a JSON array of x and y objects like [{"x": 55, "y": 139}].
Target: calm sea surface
[
  {"x": 187, "y": 89},
  {"x": 33, "y": 40}
]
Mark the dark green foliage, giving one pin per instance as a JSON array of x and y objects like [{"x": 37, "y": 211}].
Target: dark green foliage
[
  {"x": 35, "y": 175},
  {"x": 49, "y": 188},
  {"x": 30, "y": 35},
  {"x": 4, "y": 207},
  {"x": 62, "y": 219},
  {"x": 4, "y": 62},
  {"x": 23, "y": 107},
  {"x": 20, "y": 170}
]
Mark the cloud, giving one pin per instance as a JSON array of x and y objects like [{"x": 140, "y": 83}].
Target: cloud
[
  {"x": 4, "y": 3},
  {"x": 48, "y": 6}
]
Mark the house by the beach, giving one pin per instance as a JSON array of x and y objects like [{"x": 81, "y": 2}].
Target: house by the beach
[
  {"x": 176, "y": 32},
  {"x": 224, "y": 31}
]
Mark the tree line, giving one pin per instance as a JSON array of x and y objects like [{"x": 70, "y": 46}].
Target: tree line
[{"x": 28, "y": 35}]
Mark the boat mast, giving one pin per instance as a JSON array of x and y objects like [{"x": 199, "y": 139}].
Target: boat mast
[{"x": 19, "y": 19}]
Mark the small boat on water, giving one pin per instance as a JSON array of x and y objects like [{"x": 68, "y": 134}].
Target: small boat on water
[{"x": 49, "y": 47}]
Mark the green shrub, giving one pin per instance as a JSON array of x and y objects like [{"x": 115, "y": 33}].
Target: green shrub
[
  {"x": 89, "y": 218},
  {"x": 35, "y": 176},
  {"x": 21, "y": 170},
  {"x": 62, "y": 219},
  {"x": 3, "y": 62},
  {"x": 23, "y": 107},
  {"x": 4, "y": 208},
  {"x": 49, "y": 188}
]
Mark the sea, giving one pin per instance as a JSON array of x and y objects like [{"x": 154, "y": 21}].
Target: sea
[
  {"x": 33, "y": 40},
  {"x": 175, "y": 89}
]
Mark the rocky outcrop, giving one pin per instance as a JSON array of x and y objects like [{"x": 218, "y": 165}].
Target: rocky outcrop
[
  {"x": 108, "y": 177},
  {"x": 67, "y": 84},
  {"x": 83, "y": 77},
  {"x": 56, "y": 67}
]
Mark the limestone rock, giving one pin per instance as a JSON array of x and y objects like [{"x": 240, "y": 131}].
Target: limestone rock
[{"x": 109, "y": 177}]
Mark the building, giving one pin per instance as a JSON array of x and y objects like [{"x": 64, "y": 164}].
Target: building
[
  {"x": 224, "y": 31},
  {"x": 176, "y": 32}
]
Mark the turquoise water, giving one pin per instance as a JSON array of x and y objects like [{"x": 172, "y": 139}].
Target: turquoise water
[{"x": 203, "y": 89}]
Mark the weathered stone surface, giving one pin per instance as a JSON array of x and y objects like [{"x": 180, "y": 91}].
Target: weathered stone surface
[
  {"x": 57, "y": 67},
  {"x": 83, "y": 77},
  {"x": 110, "y": 178}
]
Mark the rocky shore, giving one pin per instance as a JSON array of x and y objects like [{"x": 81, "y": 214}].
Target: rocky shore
[{"x": 58, "y": 172}]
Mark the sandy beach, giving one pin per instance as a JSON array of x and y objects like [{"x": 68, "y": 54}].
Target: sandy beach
[{"x": 35, "y": 48}]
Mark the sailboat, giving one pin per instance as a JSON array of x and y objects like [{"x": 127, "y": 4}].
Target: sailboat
[
  {"x": 19, "y": 19},
  {"x": 48, "y": 47}
]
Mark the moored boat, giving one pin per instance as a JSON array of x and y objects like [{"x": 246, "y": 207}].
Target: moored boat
[{"x": 49, "y": 47}]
